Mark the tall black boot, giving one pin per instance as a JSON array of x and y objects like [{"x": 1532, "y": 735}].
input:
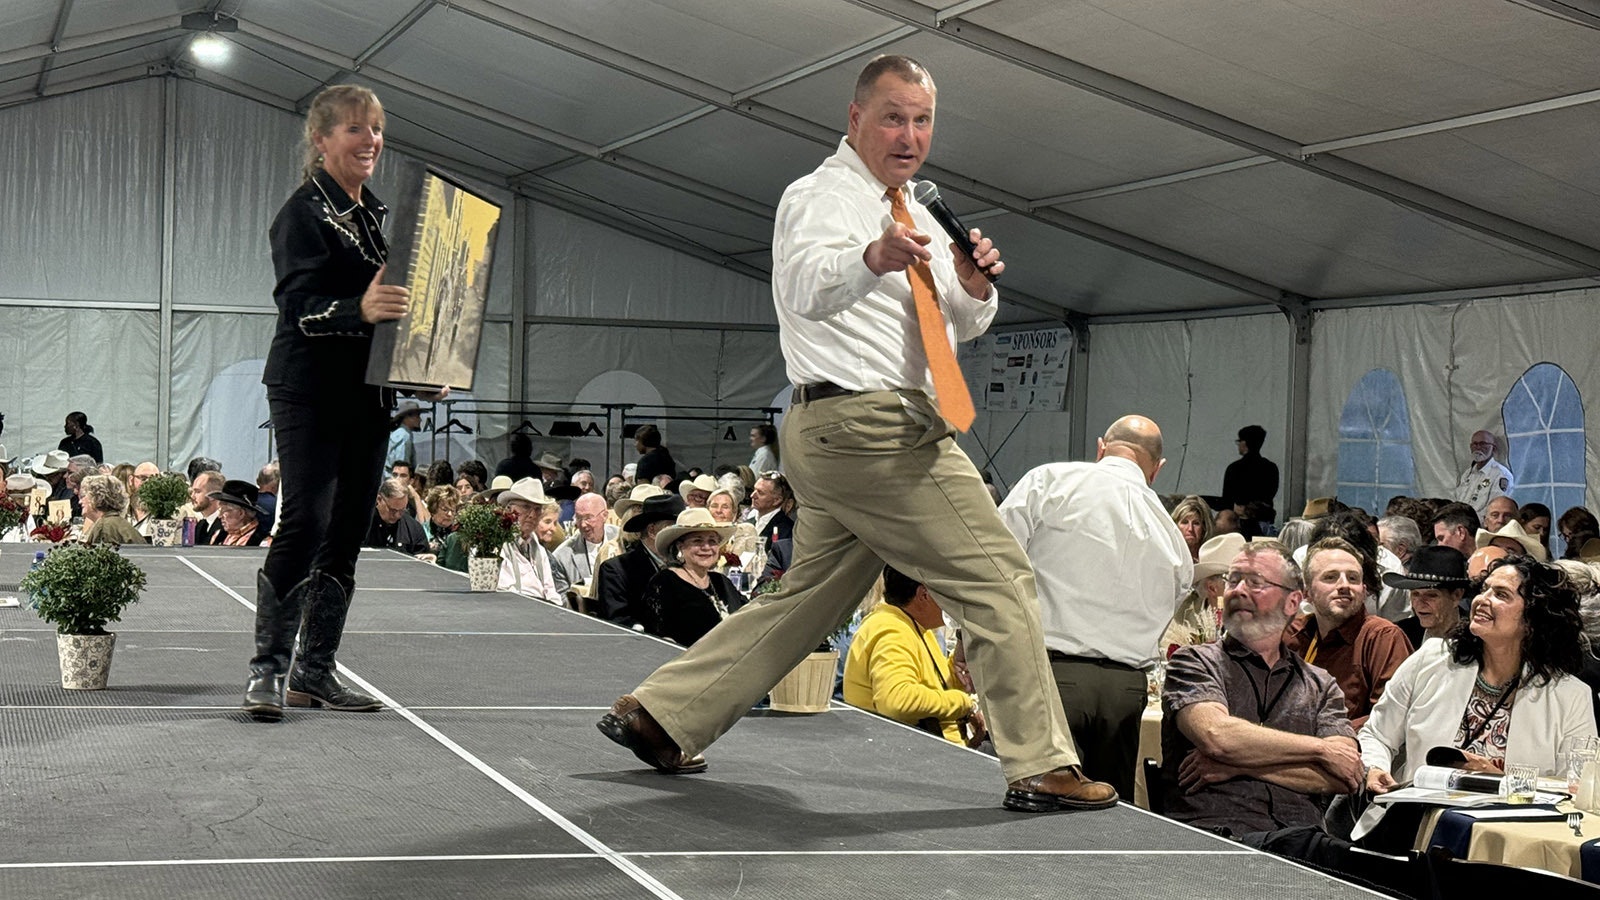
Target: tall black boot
[
  {"x": 277, "y": 622},
  {"x": 314, "y": 680}
]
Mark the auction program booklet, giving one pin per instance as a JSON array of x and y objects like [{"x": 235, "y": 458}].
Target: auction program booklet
[{"x": 1442, "y": 786}]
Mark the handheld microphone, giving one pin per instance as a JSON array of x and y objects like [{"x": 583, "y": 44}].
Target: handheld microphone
[{"x": 927, "y": 193}]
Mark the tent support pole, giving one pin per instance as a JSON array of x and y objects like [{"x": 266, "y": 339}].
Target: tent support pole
[
  {"x": 1299, "y": 413},
  {"x": 1078, "y": 389},
  {"x": 169, "y": 174}
]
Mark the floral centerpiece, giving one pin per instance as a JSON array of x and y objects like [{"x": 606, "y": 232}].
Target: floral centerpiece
[
  {"x": 484, "y": 528},
  {"x": 11, "y": 513},
  {"x": 51, "y": 532}
]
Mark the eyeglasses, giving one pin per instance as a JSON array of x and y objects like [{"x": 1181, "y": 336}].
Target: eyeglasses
[{"x": 1253, "y": 581}]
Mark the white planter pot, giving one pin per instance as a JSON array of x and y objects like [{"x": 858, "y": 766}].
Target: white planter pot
[
  {"x": 483, "y": 572},
  {"x": 808, "y": 687},
  {"x": 165, "y": 532},
  {"x": 85, "y": 660}
]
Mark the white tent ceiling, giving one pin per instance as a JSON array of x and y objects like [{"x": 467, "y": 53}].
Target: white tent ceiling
[{"x": 1132, "y": 157}]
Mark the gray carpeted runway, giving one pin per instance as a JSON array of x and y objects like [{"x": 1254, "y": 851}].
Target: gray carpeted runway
[{"x": 486, "y": 778}]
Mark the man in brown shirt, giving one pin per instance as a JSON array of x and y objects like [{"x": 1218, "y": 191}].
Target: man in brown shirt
[
  {"x": 1252, "y": 738},
  {"x": 1360, "y": 651}
]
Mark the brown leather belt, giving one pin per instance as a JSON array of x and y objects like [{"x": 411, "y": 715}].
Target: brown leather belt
[{"x": 822, "y": 390}]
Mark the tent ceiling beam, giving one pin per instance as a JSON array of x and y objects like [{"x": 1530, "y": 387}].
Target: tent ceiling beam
[
  {"x": 1209, "y": 122},
  {"x": 152, "y": 28},
  {"x": 393, "y": 34},
  {"x": 63, "y": 13}
]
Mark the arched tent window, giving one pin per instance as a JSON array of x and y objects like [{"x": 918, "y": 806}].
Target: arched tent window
[
  {"x": 1375, "y": 461},
  {"x": 1543, "y": 416}
]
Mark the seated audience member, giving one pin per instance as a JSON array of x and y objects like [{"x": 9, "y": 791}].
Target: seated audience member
[
  {"x": 1195, "y": 522},
  {"x": 772, "y": 507},
  {"x": 897, "y": 668},
  {"x": 1417, "y": 510},
  {"x": 1514, "y": 540},
  {"x": 104, "y": 502},
  {"x": 74, "y": 483},
  {"x": 476, "y": 473},
  {"x": 19, "y": 488},
  {"x": 1400, "y": 536},
  {"x": 622, "y": 509},
  {"x": 443, "y": 505},
  {"x": 697, "y": 490},
  {"x": 122, "y": 472},
  {"x": 1296, "y": 533},
  {"x": 1455, "y": 526},
  {"x": 1359, "y": 650},
  {"x": 1199, "y": 617},
  {"x": 1584, "y": 579},
  {"x": 238, "y": 519},
  {"x": 267, "y": 481},
  {"x": 1252, "y": 736},
  {"x": 622, "y": 579},
  {"x": 406, "y": 474},
  {"x": 525, "y": 563},
  {"x": 1502, "y": 687},
  {"x": 392, "y": 527},
  {"x": 1501, "y": 510},
  {"x": 689, "y": 597},
  {"x": 724, "y": 506},
  {"x": 1479, "y": 562},
  {"x": 583, "y": 480},
  {"x": 519, "y": 464},
  {"x": 204, "y": 506},
  {"x": 52, "y": 469},
  {"x": 1360, "y": 530},
  {"x": 1227, "y": 522},
  {"x": 440, "y": 474},
  {"x": 1535, "y": 519},
  {"x": 616, "y": 489},
  {"x": 1575, "y": 526},
  {"x": 1435, "y": 582},
  {"x": 573, "y": 562}
]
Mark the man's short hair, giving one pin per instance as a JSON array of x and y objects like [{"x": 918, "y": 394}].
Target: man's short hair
[
  {"x": 1459, "y": 515},
  {"x": 268, "y": 476},
  {"x": 1336, "y": 543},
  {"x": 83, "y": 461},
  {"x": 1350, "y": 526},
  {"x": 391, "y": 488},
  {"x": 1403, "y": 529},
  {"x": 898, "y": 588},
  {"x": 1291, "y": 569},
  {"x": 648, "y": 436},
  {"x": 1253, "y": 436},
  {"x": 210, "y": 480},
  {"x": 903, "y": 67}
]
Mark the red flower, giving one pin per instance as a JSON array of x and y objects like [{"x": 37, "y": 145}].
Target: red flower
[
  {"x": 55, "y": 534},
  {"x": 730, "y": 558}
]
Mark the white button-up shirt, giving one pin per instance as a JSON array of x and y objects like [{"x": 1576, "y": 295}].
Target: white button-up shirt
[
  {"x": 1110, "y": 565},
  {"x": 838, "y": 322},
  {"x": 1478, "y": 486}
]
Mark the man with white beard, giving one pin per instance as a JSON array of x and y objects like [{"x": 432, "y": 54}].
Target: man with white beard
[{"x": 1486, "y": 478}]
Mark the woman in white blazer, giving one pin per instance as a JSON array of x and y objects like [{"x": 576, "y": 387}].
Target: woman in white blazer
[{"x": 1500, "y": 687}]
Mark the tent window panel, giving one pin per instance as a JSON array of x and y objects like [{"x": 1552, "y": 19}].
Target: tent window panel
[
  {"x": 1544, "y": 423},
  {"x": 1375, "y": 458}
]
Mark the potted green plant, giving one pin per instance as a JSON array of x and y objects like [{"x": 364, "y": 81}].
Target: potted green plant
[
  {"x": 485, "y": 528},
  {"x": 161, "y": 497},
  {"x": 80, "y": 589}
]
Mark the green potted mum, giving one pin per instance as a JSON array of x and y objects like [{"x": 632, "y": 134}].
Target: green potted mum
[
  {"x": 161, "y": 497},
  {"x": 484, "y": 528},
  {"x": 80, "y": 589}
]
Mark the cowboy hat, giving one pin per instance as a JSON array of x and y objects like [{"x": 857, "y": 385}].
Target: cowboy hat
[
  {"x": 529, "y": 489},
  {"x": 1317, "y": 507},
  {"x": 20, "y": 483},
  {"x": 1589, "y": 552},
  {"x": 407, "y": 407},
  {"x": 1217, "y": 554},
  {"x": 639, "y": 494},
  {"x": 549, "y": 461},
  {"x": 487, "y": 495},
  {"x": 689, "y": 522},
  {"x": 239, "y": 493},
  {"x": 702, "y": 483},
  {"x": 1513, "y": 530},
  {"x": 1433, "y": 566},
  {"x": 3, "y": 457},
  {"x": 52, "y": 462},
  {"x": 663, "y": 507}
]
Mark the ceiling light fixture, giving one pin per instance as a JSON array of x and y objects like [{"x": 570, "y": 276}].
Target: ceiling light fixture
[{"x": 208, "y": 48}]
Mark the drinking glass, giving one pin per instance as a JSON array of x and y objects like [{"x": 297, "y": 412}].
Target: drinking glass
[{"x": 1520, "y": 783}]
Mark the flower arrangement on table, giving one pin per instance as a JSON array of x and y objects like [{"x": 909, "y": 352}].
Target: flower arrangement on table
[
  {"x": 11, "y": 513},
  {"x": 486, "y": 527},
  {"x": 51, "y": 532}
]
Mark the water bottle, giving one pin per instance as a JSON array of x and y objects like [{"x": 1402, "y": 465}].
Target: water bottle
[
  {"x": 736, "y": 575},
  {"x": 38, "y": 560},
  {"x": 188, "y": 531}
]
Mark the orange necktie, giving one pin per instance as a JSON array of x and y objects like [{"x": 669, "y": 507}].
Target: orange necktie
[{"x": 950, "y": 389}]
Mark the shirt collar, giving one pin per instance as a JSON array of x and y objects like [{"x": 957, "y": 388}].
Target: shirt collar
[
  {"x": 1307, "y": 624},
  {"x": 1232, "y": 646},
  {"x": 339, "y": 201},
  {"x": 1127, "y": 468},
  {"x": 902, "y": 614},
  {"x": 850, "y": 159}
]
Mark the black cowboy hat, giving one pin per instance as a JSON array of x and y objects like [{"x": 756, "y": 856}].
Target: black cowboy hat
[
  {"x": 662, "y": 508},
  {"x": 1433, "y": 566},
  {"x": 239, "y": 493}
]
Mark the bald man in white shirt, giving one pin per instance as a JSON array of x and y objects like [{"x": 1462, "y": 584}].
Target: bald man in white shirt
[{"x": 1111, "y": 568}]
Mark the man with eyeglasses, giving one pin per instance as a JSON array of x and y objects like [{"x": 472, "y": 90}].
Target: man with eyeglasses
[
  {"x": 767, "y": 501},
  {"x": 1251, "y": 735},
  {"x": 1360, "y": 651},
  {"x": 572, "y": 564},
  {"x": 1485, "y": 479}
]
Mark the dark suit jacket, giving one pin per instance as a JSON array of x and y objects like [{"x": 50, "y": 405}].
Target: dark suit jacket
[
  {"x": 622, "y": 582},
  {"x": 782, "y": 523}
]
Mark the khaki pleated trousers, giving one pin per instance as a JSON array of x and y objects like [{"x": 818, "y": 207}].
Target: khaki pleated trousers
[{"x": 877, "y": 484}]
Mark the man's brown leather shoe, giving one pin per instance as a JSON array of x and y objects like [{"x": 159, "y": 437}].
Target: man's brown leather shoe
[
  {"x": 632, "y": 726},
  {"x": 1063, "y": 788}
]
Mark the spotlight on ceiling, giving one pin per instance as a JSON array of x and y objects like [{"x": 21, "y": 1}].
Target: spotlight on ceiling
[{"x": 209, "y": 49}]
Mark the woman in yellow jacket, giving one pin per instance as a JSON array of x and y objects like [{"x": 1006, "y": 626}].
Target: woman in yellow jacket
[{"x": 897, "y": 669}]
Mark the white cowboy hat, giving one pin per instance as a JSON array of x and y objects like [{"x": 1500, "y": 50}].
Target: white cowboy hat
[
  {"x": 689, "y": 485},
  {"x": 1216, "y": 555},
  {"x": 690, "y": 521},
  {"x": 1513, "y": 529},
  {"x": 53, "y": 462},
  {"x": 500, "y": 483},
  {"x": 20, "y": 483},
  {"x": 639, "y": 494},
  {"x": 529, "y": 489}
]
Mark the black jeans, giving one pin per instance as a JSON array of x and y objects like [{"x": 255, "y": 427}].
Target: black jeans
[
  {"x": 1104, "y": 704},
  {"x": 330, "y": 457}
]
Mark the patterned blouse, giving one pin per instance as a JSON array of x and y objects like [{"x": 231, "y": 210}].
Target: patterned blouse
[{"x": 1491, "y": 726}]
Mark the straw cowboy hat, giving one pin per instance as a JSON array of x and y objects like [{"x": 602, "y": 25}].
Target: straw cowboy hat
[
  {"x": 639, "y": 494},
  {"x": 52, "y": 462},
  {"x": 1216, "y": 555},
  {"x": 690, "y": 485},
  {"x": 529, "y": 489},
  {"x": 20, "y": 483},
  {"x": 1317, "y": 507},
  {"x": 689, "y": 522},
  {"x": 1513, "y": 530},
  {"x": 500, "y": 483},
  {"x": 549, "y": 461},
  {"x": 1433, "y": 566}
]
